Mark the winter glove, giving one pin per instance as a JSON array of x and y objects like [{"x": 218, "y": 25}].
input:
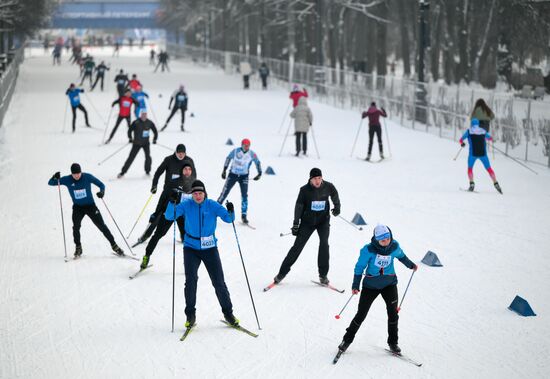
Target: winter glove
[
  {"x": 154, "y": 189},
  {"x": 224, "y": 175},
  {"x": 364, "y": 114},
  {"x": 100, "y": 194},
  {"x": 383, "y": 110},
  {"x": 154, "y": 142},
  {"x": 295, "y": 228},
  {"x": 257, "y": 177},
  {"x": 130, "y": 140},
  {"x": 415, "y": 267},
  {"x": 354, "y": 291},
  {"x": 462, "y": 144},
  {"x": 56, "y": 176},
  {"x": 174, "y": 196},
  {"x": 336, "y": 211},
  {"x": 230, "y": 207}
]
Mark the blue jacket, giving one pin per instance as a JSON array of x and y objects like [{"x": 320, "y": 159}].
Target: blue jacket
[
  {"x": 80, "y": 190},
  {"x": 140, "y": 98},
  {"x": 74, "y": 96},
  {"x": 378, "y": 262},
  {"x": 242, "y": 161},
  {"x": 200, "y": 221},
  {"x": 477, "y": 140}
]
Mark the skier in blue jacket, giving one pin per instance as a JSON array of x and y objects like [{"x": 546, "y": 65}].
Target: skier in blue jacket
[
  {"x": 200, "y": 245},
  {"x": 74, "y": 97},
  {"x": 79, "y": 185},
  {"x": 241, "y": 159},
  {"x": 140, "y": 96},
  {"x": 380, "y": 279}
]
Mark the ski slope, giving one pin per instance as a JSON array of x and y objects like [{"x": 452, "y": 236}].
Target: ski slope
[{"x": 86, "y": 319}]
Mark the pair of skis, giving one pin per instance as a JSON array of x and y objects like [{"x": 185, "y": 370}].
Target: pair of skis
[
  {"x": 329, "y": 286},
  {"x": 397, "y": 355},
  {"x": 236, "y": 327}
]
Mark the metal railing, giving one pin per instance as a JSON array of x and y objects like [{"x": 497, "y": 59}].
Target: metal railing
[
  {"x": 521, "y": 126},
  {"x": 8, "y": 78}
]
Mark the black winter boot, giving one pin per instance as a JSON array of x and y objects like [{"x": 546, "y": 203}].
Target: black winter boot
[{"x": 394, "y": 348}]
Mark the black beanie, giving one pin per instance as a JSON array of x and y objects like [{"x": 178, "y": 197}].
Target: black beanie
[
  {"x": 198, "y": 186},
  {"x": 180, "y": 148},
  {"x": 186, "y": 164},
  {"x": 75, "y": 168},
  {"x": 315, "y": 172}
]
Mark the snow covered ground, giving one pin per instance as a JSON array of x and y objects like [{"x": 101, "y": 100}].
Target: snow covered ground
[{"x": 86, "y": 319}]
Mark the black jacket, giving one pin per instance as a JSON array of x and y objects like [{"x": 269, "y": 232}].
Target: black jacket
[
  {"x": 311, "y": 198},
  {"x": 141, "y": 130},
  {"x": 121, "y": 80},
  {"x": 171, "y": 166}
]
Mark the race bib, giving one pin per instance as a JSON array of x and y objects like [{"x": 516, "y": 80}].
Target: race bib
[
  {"x": 318, "y": 206},
  {"x": 76, "y": 98},
  {"x": 181, "y": 97},
  {"x": 175, "y": 176},
  {"x": 145, "y": 134},
  {"x": 80, "y": 194},
  {"x": 207, "y": 242},
  {"x": 121, "y": 81},
  {"x": 382, "y": 261},
  {"x": 126, "y": 104}
]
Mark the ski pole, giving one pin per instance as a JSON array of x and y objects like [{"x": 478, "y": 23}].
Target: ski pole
[
  {"x": 387, "y": 136},
  {"x": 351, "y": 223},
  {"x": 122, "y": 235},
  {"x": 515, "y": 160},
  {"x": 113, "y": 154},
  {"x": 286, "y": 135},
  {"x": 94, "y": 108},
  {"x": 164, "y": 146},
  {"x": 405, "y": 294},
  {"x": 337, "y": 317},
  {"x": 356, "y": 137},
  {"x": 65, "y": 115},
  {"x": 140, "y": 214},
  {"x": 173, "y": 268},
  {"x": 245, "y": 274},
  {"x": 315, "y": 143},
  {"x": 284, "y": 118},
  {"x": 62, "y": 220},
  {"x": 106, "y": 126},
  {"x": 152, "y": 111},
  {"x": 458, "y": 153},
  {"x": 285, "y": 234}
]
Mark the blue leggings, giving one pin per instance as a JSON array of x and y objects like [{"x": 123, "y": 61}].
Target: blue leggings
[
  {"x": 232, "y": 179},
  {"x": 484, "y": 159}
]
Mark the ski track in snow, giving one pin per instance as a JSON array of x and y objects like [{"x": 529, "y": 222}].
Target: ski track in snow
[{"x": 86, "y": 319}]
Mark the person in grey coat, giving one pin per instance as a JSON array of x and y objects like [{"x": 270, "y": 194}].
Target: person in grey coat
[{"x": 303, "y": 119}]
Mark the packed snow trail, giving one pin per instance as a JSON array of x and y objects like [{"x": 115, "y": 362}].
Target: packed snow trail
[{"x": 85, "y": 318}]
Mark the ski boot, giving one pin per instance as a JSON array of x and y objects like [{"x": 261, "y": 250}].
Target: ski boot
[
  {"x": 118, "y": 251},
  {"x": 182, "y": 128},
  {"x": 277, "y": 279},
  {"x": 381, "y": 156},
  {"x": 323, "y": 280},
  {"x": 144, "y": 262},
  {"x": 497, "y": 186},
  {"x": 368, "y": 157},
  {"x": 472, "y": 186},
  {"x": 297, "y": 153},
  {"x": 394, "y": 348},
  {"x": 78, "y": 251},
  {"x": 230, "y": 318},
  {"x": 244, "y": 219},
  {"x": 343, "y": 346},
  {"x": 120, "y": 175},
  {"x": 190, "y": 321}
]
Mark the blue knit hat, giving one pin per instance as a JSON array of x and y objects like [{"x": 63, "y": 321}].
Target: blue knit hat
[
  {"x": 381, "y": 232},
  {"x": 474, "y": 122}
]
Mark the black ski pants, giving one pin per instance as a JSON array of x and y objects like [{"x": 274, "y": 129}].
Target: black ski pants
[
  {"x": 120, "y": 89},
  {"x": 118, "y": 121},
  {"x": 264, "y": 82},
  {"x": 86, "y": 75},
  {"x": 246, "y": 80},
  {"x": 192, "y": 260},
  {"x": 174, "y": 110},
  {"x": 163, "y": 65},
  {"x": 161, "y": 227},
  {"x": 79, "y": 211},
  {"x": 81, "y": 107},
  {"x": 158, "y": 216},
  {"x": 303, "y": 145},
  {"x": 389, "y": 294},
  {"x": 305, "y": 231},
  {"x": 132, "y": 156},
  {"x": 375, "y": 129},
  {"x": 99, "y": 76}
]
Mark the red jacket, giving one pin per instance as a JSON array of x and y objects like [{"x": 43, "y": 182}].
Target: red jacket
[
  {"x": 295, "y": 96},
  {"x": 125, "y": 105},
  {"x": 134, "y": 84},
  {"x": 374, "y": 115}
]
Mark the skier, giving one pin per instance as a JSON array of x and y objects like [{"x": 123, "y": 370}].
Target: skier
[
  {"x": 116, "y": 50},
  {"x": 56, "y": 53},
  {"x": 74, "y": 96},
  {"x": 264, "y": 73},
  {"x": 182, "y": 185},
  {"x": 152, "y": 57},
  {"x": 380, "y": 279},
  {"x": 134, "y": 83},
  {"x": 296, "y": 94},
  {"x": 124, "y": 113},
  {"x": 140, "y": 96},
  {"x": 163, "y": 61},
  {"x": 241, "y": 159},
  {"x": 303, "y": 119},
  {"x": 100, "y": 74},
  {"x": 89, "y": 66},
  {"x": 181, "y": 100},
  {"x": 374, "y": 114},
  {"x": 121, "y": 81},
  {"x": 311, "y": 213},
  {"x": 483, "y": 113},
  {"x": 141, "y": 128},
  {"x": 477, "y": 138},
  {"x": 246, "y": 71},
  {"x": 171, "y": 167},
  {"x": 79, "y": 185},
  {"x": 200, "y": 245}
]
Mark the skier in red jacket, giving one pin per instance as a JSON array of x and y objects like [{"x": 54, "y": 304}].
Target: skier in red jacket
[
  {"x": 134, "y": 83},
  {"x": 125, "y": 110},
  {"x": 296, "y": 94},
  {"x": 374, "y": 114}
]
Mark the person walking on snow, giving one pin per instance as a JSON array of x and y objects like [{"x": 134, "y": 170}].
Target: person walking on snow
[
  {"x": 380, "y": 279},
  {"x": 79, "y": 185},
  {"x": 100, "y": 74},
  {"x": 163, "y": 61},
  {"x": 264, "y": 73},
  {"x": 182, "y": 185},
  {"x": 152, "y": 54},
  {"x": 311, "y": 213},
  {"x": 180, "y": 99},
  {"x": 141, "y": 128},
  {"x": 124, "y": 111},
  {"x": 477, "y": 139},
  {"x": 303, "y": 119},
  {"x": 246, "y": 71},
  {"x": 374, "y": 114},
  {"x": 483, "y": 113},
  {"x": 171, "y": 167},
  {"x": 241, "y": 159},
  {"x": 121, "y": 81},
  {"x": 200, "y": 245},
  {"x": 74, "y": 97},
  {"x": 139, "y": 95}
]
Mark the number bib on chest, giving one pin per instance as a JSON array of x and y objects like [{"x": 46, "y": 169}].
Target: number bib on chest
[
  {"x": 181, "y": 98},
  {"x": 207, "y": 242},
  {"x": 80, "y": 194},
  {"x": 175, "y": 176},
  {"x": 145, "y": 134},
  {"x": 382, "y": 261},
  {"x": 126, "y": 104},
  {"x": 318, "y": 206}
]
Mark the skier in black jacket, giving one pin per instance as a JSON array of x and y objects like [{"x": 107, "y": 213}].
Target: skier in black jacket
[
  {"x": 121, "y": 81},
  {"x": 181, "y": 100},
  {"x": 311, "y": 213},
  {"x": 141, "y": 128},
  {"x": 100, "y": 74}
]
